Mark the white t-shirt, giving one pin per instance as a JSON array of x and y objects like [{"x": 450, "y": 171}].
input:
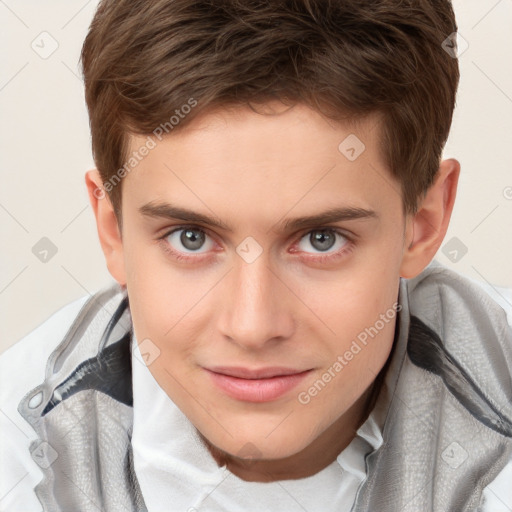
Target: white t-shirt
[{"x": 174, "y": 469}]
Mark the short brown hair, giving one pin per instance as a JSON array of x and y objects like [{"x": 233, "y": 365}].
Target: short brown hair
[{"x": 142, "y": 60}]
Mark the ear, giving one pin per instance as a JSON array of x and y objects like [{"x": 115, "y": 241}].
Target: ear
[
  {"x": 426, "y": 230},
  {"x": 106, "y": 223}
]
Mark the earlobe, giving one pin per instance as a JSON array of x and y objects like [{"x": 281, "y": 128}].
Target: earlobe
[
  {"x": 427, "y": 228},
  {"x": 107, "y": 226}
]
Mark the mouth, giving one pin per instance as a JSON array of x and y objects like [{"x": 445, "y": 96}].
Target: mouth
[{"x": 259, "y": 385}]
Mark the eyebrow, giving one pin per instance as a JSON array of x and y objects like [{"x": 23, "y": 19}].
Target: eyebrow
[{"x": 172, "y": 212}]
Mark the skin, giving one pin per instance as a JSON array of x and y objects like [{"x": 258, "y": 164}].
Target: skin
[{"x": 285, "y": 308}]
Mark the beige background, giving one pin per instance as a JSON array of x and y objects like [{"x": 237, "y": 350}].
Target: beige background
[{"x": 45, "y": 151}]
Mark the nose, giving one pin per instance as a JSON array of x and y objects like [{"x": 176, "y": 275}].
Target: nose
[{"x": 257, "y": 306}]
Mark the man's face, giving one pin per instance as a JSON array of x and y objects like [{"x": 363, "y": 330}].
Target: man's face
[{"x": 260, "y": 291}]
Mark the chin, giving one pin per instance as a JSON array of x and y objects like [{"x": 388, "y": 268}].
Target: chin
[{"x": 258, "y": 444}]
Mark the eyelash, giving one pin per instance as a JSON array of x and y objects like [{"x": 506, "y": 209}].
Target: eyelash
[{"x": 347, "y": 248}]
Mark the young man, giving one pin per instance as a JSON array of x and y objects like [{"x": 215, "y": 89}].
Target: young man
[{"x": 269, "y": 196}]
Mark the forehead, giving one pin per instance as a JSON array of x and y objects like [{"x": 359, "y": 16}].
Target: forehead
[
  {"x": 275, "y": 130},
  {"x": 265, "y": 162}
]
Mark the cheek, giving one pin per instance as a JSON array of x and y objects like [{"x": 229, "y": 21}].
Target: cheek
[
  {"x": 156, "y": 293},
  {"x": 167, "y": 307},
  {"x": 360, "y": 307},
  {"x": 354, "y": 359},
  {"x": 358, "y": 299}
]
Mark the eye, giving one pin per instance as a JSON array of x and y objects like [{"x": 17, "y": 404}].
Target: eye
[
  {"x": 323, "y": 240},
  {"x": 188, "y": 240},
  {"x": 191, "y": 242}
]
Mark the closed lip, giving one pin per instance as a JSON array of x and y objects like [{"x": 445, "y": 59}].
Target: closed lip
[{"x": 258, "y": 373}]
